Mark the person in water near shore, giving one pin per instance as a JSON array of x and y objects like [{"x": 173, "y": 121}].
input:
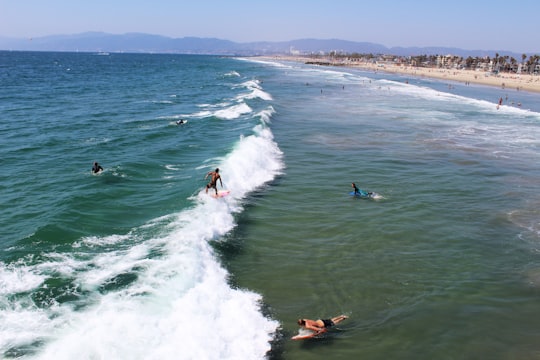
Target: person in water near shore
[
  {"x": 96, "y": 168},
  {"x": 320, "y": 326},
  {"x": 180, "y": 122},
  {"x": 213, "y": 181}
]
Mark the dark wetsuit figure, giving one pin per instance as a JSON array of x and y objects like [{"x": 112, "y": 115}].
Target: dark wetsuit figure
[
  {"x": 96, "y": 168},
  {"x": 328, "y": 322}
]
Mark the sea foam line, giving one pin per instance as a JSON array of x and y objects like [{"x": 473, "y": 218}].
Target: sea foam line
[{"x": 155, "y": 293}]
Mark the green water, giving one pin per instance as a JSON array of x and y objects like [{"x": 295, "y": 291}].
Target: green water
[{"x": 435, "y": 270}]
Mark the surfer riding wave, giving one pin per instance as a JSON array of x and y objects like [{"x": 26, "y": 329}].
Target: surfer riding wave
[{"x": 213, "y": 180}]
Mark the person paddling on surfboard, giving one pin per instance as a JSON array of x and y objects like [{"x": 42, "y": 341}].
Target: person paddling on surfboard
[
  {"x": 359, "y": 192},
  {"x": 213, "y": 181},
  {"x": 320, "y": 326}
]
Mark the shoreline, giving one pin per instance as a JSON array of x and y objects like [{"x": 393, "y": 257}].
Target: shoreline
[{"x": 503, "y": 81}]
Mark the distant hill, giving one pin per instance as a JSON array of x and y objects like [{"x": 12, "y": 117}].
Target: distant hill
[{"x": 146, "y": 43}]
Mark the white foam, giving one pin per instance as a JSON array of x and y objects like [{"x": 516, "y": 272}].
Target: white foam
[
  {"x": 277, "y": 63},
  {"x": 18, "y": 278},
  {"x": 172, "y": 167},
  {"x": 233, "y": 74},
  {"x": 237, "y": 107},
  {"x": 175, "y": 299},
  {"x": 233, "y": 112},
  {"x": 257, "y": 93}
]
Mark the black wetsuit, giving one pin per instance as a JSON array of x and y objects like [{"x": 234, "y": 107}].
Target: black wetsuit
[{"x": 327, "y": 323}]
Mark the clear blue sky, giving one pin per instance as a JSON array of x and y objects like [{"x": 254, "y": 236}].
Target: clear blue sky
[{"x": 468, "y": 24}]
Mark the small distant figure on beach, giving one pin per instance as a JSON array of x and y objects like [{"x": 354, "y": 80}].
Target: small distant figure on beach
[
  {"x": 96, "y": 168},
  {"x": 213, "y": 180},
  {"x": 320, "y": 326}
]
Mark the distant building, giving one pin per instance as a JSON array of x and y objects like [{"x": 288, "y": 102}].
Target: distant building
[{"x": 292, "y": 51}]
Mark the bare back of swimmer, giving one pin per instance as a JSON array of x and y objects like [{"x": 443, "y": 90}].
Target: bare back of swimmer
[
  {"x": 320, "y": 326},
  {"x": 213, "y": 180}
]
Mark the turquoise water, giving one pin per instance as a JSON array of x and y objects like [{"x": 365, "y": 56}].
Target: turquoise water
[{"x": 139, "y": 263}]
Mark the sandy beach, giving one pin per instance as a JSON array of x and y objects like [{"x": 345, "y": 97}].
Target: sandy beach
[{"x": 506, "y": 81}]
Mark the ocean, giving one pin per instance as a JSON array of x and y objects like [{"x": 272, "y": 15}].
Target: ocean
[{"x": 138, "y": 262}]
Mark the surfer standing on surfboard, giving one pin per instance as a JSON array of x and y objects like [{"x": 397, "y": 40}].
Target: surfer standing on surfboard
[
  {"x": 320, "y": 326},
  {"x": 213, "y": 182}
]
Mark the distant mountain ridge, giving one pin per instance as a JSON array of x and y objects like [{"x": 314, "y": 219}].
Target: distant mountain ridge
[{"x": 147, "y": 43}]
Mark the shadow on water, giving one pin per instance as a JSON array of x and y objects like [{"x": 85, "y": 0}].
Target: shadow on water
[
  {"x": 230, "y": 247},
  {"x": 309, "y": 345},
  {"x": 227, "y": 249},
  {"x": 232, "y": 244},
  {"x": 23, "y": 350}
]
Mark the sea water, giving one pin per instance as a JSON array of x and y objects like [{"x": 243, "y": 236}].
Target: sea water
[{"x": 140, "y": 263}]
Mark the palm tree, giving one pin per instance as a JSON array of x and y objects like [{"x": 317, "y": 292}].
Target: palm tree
[
  {"x": 513, "y": 61},
  {"x": 530, "y": 63},
  {"x": 505, "y": 62},
  {"x": 523, "y": 57},
  {"x": 469, "y": 62}
]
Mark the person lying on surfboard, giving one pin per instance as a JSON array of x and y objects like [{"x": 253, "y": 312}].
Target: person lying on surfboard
[
  {"x": 359, "y": 192},
  {"x": 213, "y": 181},
  {"x": 320, "y": 326}
]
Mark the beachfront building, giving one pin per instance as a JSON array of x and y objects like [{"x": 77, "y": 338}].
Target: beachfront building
[
  {"x": 449, "y": 62},
  {"x": 486, "y": 64}
]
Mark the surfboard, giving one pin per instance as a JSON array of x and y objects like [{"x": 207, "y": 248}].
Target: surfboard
[
  {"x": 304, "y": 334},
  {"x": 360, "y": 194},
  {"x": 221, "y": 193},
  {"x": 366, "y": 195}
]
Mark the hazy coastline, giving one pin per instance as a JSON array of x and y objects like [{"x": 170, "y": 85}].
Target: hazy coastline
[{"x": 505, "y": 81}]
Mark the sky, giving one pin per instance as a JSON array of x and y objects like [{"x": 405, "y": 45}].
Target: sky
[{"x": 466, "y": 24}]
